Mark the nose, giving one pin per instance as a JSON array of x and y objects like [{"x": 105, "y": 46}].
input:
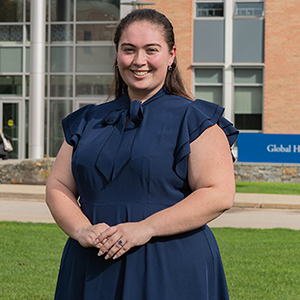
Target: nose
[{"x": 139, "y": 58}]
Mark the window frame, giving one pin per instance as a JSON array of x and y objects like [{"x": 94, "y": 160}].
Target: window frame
[
  {"x": 234, "y": 85},
  {"x": 262, "y": 16},
  {"x": 209, "y": 17},
  {"x": 210, "y": 67}
]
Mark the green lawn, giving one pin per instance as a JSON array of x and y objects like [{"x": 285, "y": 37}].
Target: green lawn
[
  {"x": 259, "y": 264},
  {"x": 268, "y": 188}
]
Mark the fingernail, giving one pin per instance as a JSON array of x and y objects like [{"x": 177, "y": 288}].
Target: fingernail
[
  {"x": 115, "y": 257},
  {"x": 96, "y": 242},
  {"x": 100, "y": 253},
  {"x": 106, "y": 257}
]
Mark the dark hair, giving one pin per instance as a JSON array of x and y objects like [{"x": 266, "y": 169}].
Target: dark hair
[{"x": 173, "y": 82}]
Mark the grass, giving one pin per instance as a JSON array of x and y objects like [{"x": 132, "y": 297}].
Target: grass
[
  {"x": 268, "y": 188},
  {"x": 30, "y": 256},
  {"x": 259, "y": 264}
]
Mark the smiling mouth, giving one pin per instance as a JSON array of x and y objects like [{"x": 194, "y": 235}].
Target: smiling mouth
[{"x": 141, "y": 73}]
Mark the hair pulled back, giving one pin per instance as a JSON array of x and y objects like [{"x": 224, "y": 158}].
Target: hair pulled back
[{"x": 173, "y": 82}]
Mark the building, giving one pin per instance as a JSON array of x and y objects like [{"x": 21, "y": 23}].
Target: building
[{"x": 243, "y": 55}]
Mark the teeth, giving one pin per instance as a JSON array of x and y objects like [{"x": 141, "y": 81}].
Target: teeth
[{"x": 140, "y": 73}]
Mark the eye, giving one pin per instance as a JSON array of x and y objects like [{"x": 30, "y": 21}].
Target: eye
[
  {"x": 128, "y": 50},
  {"x": 152, "y": 50}
]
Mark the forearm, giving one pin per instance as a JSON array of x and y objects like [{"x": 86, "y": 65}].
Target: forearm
[
  {"x": 196, "y": 210},
  {"x": 65, "y": 209}
]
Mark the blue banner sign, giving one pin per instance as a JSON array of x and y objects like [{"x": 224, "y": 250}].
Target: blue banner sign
[{"x": 268, "y": 148}]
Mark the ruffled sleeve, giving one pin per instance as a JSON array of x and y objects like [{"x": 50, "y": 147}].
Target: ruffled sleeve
[
  {"x": 74, "y": 124},
  {"x": 199, "y": 115}
]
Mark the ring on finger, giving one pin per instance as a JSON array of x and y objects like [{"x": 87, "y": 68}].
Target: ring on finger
[{"x": 120, "y": 243}]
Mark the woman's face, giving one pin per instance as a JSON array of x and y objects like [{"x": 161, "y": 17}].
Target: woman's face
[{"x": 143, "y": 58}]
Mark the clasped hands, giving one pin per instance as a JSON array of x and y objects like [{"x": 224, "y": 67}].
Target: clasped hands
[{"x": 114, "y": 241}]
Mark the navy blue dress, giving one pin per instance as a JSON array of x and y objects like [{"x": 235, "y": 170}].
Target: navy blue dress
[{"x": 125, "y": 173}]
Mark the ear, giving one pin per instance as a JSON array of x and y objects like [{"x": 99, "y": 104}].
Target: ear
[{"x": 172, "y": 55}]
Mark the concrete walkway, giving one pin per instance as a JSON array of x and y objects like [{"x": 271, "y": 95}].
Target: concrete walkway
[{"x": 26, "y": 203}]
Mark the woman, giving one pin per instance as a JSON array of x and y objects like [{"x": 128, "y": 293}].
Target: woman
[{"x": 151, "y": 168}]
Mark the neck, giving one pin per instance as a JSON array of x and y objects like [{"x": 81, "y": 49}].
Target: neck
[{"x": 141, "y": 95}]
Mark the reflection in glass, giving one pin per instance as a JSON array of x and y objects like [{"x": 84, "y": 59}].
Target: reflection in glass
[
  {"x": 89, "y": 85},
  {"x": 11, "y": 34},
  {"x": 61, "y": 86},
  {"x": 98, "y": 11},
  {"x": 11, "y": 11},
  {"x": 61, "y": 33},
  {"x": 61, "y": 59},
  {"x": 249, "y": 9},
  {"x": 11, "y": 86},
  {"x": 95, "y": 58},
  {"x": 61, "y": 10},
  {"x": 11, "y": 59},
  {"x": 210, "y": 10},
  {"x": 58, "y": 110},
  {"x": 95, "y": 33}
]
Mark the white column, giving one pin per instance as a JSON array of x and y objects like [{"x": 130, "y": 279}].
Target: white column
[
  {"x": 228, "y": 71},
  {"x": 37, "y": 79},
  {"x": 125, "y": 9}
]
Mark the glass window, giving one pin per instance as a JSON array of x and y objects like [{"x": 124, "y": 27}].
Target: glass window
[
  {"x": 11, "y": 125},
  {"x": 209, "y": 10},
  {"x": 95, "y": 59},
  {"x": 11, "y": 86},
  {"x": 28, "y": 10},
  {"x": 248, "y": 97},
  {"x": 58, "y": 110},
  {"x": 61, "y": 59},
  {"x": 248, "y": 76},
  {"x": 61, "y": 86},
  {"x": 11, "y": 59},
  {"x": 208, "y": 76},
  {"x": 27, "y": 79},
  {"x": 211, "y": 94},
  {"x": 249, "y": 8},
  {"x": 62, "y": 10},
  {"x": 90, "y": 85},
  {"x": 11, "y": 34},
  {"x": 11, "y": 11},
  {"x": 89, "y": 10},
  {"x": 208, "y": 85},
  {"x": 61, "y": 33},
  {"x": 95, "y": 33}
]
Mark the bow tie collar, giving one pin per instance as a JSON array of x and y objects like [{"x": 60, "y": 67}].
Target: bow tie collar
[
  {"x": 118, "y": 142},
  {"x": 133, "y": 112}
]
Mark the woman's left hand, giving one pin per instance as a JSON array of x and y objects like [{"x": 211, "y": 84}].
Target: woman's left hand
[{"x": 117, "y": 240}]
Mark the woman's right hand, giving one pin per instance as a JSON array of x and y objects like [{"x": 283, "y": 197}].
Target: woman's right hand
[{"x": 87, "y": 234}]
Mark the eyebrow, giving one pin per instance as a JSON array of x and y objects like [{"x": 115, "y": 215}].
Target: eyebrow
[{"x": 147, "y": 45}]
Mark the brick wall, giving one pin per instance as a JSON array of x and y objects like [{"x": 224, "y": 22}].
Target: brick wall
[
  {"x": 282, "y": 67},
  {"x": 180, "y": 13}
]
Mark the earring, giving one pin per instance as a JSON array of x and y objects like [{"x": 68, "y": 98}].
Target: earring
[
  {"x": 117, "y": 66},
  {"x": 170, "y": 68}
]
